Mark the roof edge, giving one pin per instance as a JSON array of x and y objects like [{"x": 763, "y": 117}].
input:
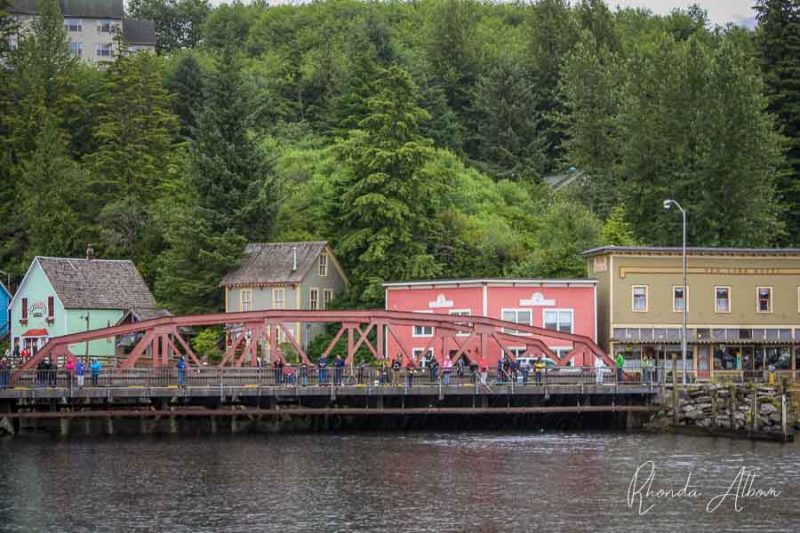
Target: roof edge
[
  {"x": 600, "y": 250},
  {"x": 493, "y": 281}
]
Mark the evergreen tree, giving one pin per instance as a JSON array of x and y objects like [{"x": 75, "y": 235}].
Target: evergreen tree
[
  {"x": 382, "y": 195},
  {"x": 51, "y": 187},
  {"x": 178, "y": 23},
  {"x": 226, "y": 168},
  {"x": 616, "y": 230},
  {"x": 186, "y": 85},
  {"x": 779, "y": 40},
  {"x": 505, "y": 141}
]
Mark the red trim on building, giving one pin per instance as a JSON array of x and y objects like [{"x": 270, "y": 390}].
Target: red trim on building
[{"x": 35, "y": 333}]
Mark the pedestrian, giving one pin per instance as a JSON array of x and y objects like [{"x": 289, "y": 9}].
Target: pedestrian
[
  {"x": 473, "y": 371},
  {"x": 16, "y": 351},
  {"x": 41, "y": 373},
  {"x": 646, "y": 369},
  {"x": 538, "y": 369},
  {"x": 384, "y": 377},
  {"x": 500, "y": 371},
  {"x": 620, "y": 362},
  {"x": 409, "y": 376},
  {"x": 303, "y": 374},
  {"x": 25, "y": 354},
  {"x": 322, "y": 364},
  {"x": 52, "y": 372},
  {"x": 94, "y": 370},
  {"x": 525, "y": 368},
  {"x": 434, "y": 370},
  {"x": 447, "y": 367},
  {"x": 598, "y": 370},
  {"x": 460, "y": 367},
  {"x": 80, "y": 370},
  {"x": 70, "y": 368},
  {"x": 338, "y": 370},
  {"x": 181, "y": 366},
  {"x": 362, "y": 367},
  {"x": 396, "y": 364},
  {"x": 5, "y": 372},
  {"x": 484, "y": 368}
]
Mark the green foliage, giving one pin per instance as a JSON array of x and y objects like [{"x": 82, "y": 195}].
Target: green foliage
[
  {"x": 616, "y": 230},
  {"x": 178, "y": 22},
  {"x": 206, "y": 343}
]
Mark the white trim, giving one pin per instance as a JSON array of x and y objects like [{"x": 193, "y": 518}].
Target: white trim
[
  {"x": 685, "y": 299},
  {"x": 798, "y": 299},
  {"x": 461, "y": 312},
  {"x": 21, "y": 286},
  {"x": 319, "y": 264},
  {"x": 241, "y": 299},
  {"x": 275, "y": 300},
  {"x": 516, "y": 311},
  {"x": 560, "y": 310},
  {"x": 646, "y": 298},
  {"x": 716, "y": 325},
  {"x": 414, "y": 328},
  {"x": 311, "y": 291},
  {"x": 594, "y": 295},
  {"x": 485, "y": 295},
  {"x": 730, "y": 300},
  {"x": 771, "y": 303},
  {"x": 325, "y": 292}
]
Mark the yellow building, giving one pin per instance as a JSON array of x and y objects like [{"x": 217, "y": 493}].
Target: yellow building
[{"x": 743, "y": 306}]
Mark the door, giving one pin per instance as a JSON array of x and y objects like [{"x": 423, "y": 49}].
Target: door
[{"x": 703, "y": 362}]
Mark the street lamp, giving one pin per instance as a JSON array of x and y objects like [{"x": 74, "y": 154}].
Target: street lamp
[
  {"x": 667, "y": 205},
  {"x": 86, "y": 318}
]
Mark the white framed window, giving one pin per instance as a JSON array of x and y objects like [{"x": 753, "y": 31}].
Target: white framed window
[
  {"x": 516, "y": 351},
  {"x": 461, "y": 312},
  {"x": 105, "y": 26},
  {"x": 518, "y": 316},
  {"x": 279, "y": 298},
  {"x": 245, "y": 300},
  {"x": 105, "y": 50},
  {"x": 313, "y": 299},
  {"x": 639, "y": 303},
  {"x": 327, "y": 298},
  {"x": 558, "y": 319},
  {"x": 73, "y": 25},
  {"x": 764, "y": 299},
  {"x": 722, "y": 299},
  {"x": 679, "y": 300},
  {"x": 323, "y": 265},
  {"x": 76, "y": 49},
  {"x": 422, "y": 331}
]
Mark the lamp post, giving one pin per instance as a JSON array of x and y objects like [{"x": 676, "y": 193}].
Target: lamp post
[
  {"x": 667, "y": 205},
  {"x": 86, "y": 318}
]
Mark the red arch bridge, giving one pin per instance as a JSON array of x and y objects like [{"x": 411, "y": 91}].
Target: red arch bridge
[{"x": 159, "y": 342}]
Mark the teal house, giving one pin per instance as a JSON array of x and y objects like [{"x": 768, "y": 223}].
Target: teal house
[
  {"x": 59, "y": 296},
  {"x": 5, "y": 298}
]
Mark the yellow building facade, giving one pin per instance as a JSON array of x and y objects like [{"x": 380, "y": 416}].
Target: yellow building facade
[{"x": 743, "y": 306}]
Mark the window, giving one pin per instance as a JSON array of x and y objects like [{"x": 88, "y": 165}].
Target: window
[
  {"x": 279, "y": 298},
  {"x": 639, "y": 297},
  {"x": 105, "y": 26},
  {"x": 417, "y": 353},
  {"x": 678, "y": 299},
  {"x": 71, "y": 24},
  {"x": 516, "y": 351},
  {"x": 764, "y": 295},
  {"x": 245, "y": 300},
  {"x": 313, "y": 299},
  {"x": 24, "y": 309},
  {"x": 558, "y": 319},
  {"x": 323, "y": 265},
  {"x": 327, "y": 297},
  {"x": 51, "y": 307},
  {"x": 105, "y": 50},
  {"x": 518, "y": 316},
  {"x": 423, "y": 331},
  {"x": 76, "y": 49},
  {"x": 461, "y": 312},
  {"x": 722, "y": 299}
]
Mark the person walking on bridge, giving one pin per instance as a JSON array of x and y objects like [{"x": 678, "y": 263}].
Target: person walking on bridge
[
  {"x": 447, "y": 367},
  {"x": 5, "y": 369},
  {"x": 338, "y": 370},
  {"x": 95, "y": 369},
  {"x": 80, "y": 371},
  {"x": 620, "y": 362},
  {"x": 322, "y": 364},
  {"x": 483, "y": 366},
  {"x": 70, "y": 368},
  {"x": 181, "y": 366},
  {"x": 538, "y": 368}
]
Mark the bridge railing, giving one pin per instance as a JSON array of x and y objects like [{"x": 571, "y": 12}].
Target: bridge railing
[{"x": 304, "y": 376}]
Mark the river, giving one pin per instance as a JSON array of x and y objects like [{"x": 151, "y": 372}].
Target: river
[{"x": 475, "y": 481}]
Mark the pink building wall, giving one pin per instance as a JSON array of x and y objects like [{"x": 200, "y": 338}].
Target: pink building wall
[{"x": 575, "y": 298}]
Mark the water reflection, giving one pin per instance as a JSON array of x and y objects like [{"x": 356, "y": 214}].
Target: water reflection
[{"x": 383, "y": 482}]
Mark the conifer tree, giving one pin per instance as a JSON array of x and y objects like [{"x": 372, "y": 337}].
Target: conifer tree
[
  {"x": 383, "y": 199},
  {"x": 186, "y": 85}
]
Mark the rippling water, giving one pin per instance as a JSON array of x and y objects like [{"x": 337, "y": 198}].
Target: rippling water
[{"x": 387, "y": 482}]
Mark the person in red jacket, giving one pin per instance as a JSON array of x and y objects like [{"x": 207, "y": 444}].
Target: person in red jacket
[{"x": 484, "y": 368}]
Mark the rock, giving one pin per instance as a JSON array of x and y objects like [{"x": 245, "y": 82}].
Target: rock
[{"x": 767, "y": 409}]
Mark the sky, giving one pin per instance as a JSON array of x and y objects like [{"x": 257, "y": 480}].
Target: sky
[{"x": 719, "y": 11}]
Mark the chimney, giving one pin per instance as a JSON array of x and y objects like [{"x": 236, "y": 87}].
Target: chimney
[
  {"x": 89, "y": 252},
  {"x": 294, "y": 258}
]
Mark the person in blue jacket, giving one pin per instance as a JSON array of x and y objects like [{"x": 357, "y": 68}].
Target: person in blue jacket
[
  {"x": 80, "y": 372},
  {"x": 95, "y": 371},
  {"x": 338, "y": 370},
  {"x": 181, "y": 366},
  {"x": 323, "y": 369}
]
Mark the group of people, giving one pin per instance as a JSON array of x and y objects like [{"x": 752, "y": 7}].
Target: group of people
[{"x": 74, "y": 370}]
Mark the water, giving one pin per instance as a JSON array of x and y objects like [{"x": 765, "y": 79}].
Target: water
[{"x": 387, "y": 482}]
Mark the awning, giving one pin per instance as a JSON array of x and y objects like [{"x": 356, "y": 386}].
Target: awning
[{"x": 35, "y": 333}]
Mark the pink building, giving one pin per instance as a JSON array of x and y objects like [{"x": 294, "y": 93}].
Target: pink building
[{"x": 567, "y": 305}]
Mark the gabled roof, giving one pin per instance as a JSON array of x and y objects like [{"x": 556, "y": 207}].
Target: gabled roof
[
  {"x": 97, "y": 283},
  {"x": 102, "y": 9},
  {"x": 272, "y": 263},
  {"x": 139, "y": 31}
]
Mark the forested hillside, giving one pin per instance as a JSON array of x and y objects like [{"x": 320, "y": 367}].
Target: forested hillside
[{"x": 419, "y": 138}]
